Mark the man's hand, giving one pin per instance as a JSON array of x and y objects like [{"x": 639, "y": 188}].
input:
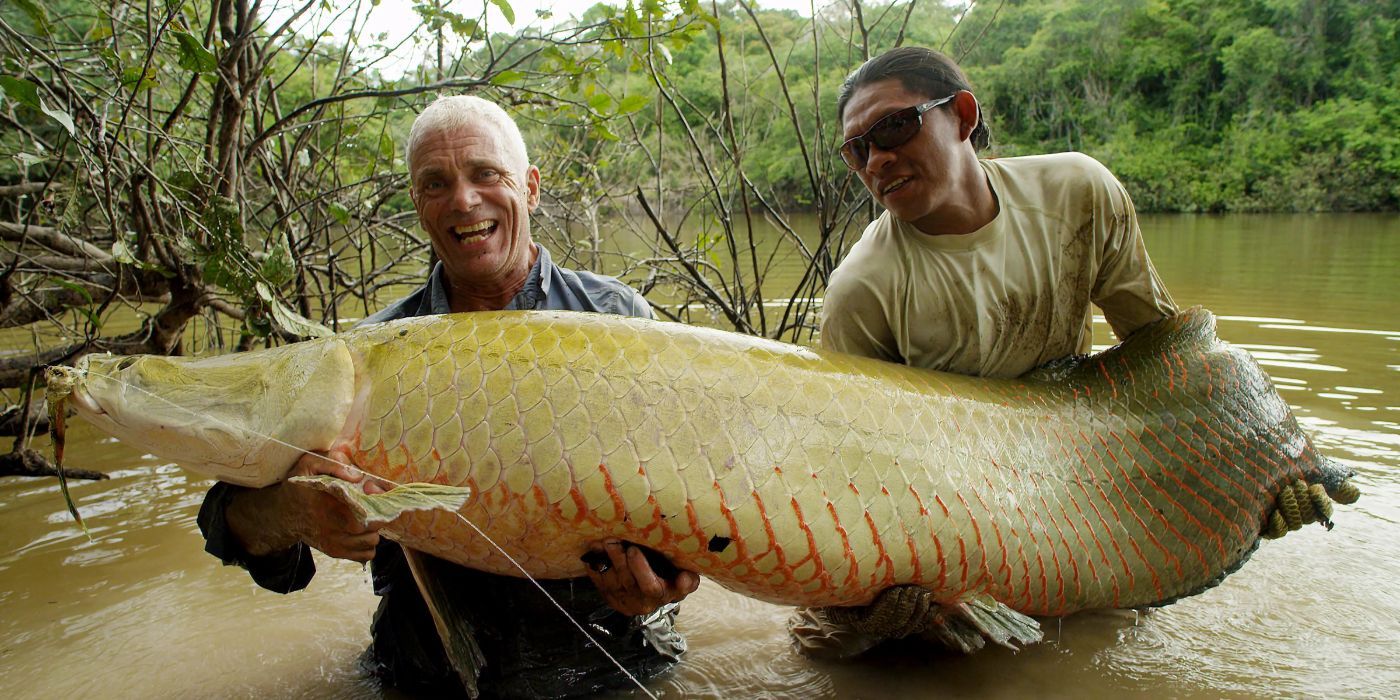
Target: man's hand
[
  {"x": 275, "y": 518},
  {"x": 629, "y": 585}
]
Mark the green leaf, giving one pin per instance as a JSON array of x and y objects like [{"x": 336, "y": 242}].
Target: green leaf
[
  {"x": 28, "y": 160},
  {"x": 381, "y": 508},
  {"x": 36, "y": 14},
  {"x": 633, "y": 103},
  {"x": 193, "y": 55},
  {"x": 186, "y": 184},
  {"x": 74, "y": 287},
  {"x": 506, "y": 77},
  {"x": 278, "y": 267},
  {"x": 340, "y": 213},
  {"x": 218, "y": 272},
  {"x": 137, "y": 79},
  {"x": 61, "y": 117},
  {"x": 600, "y": 102},
  {"x": 602, "y": 132},
  {"x": 462, "y": 26},
  {"x": 225, "y": 256},
  {"x": 121, "y": 252},
  {"x": 221, "y": 218},
  {"x": 289, "y": 321},
  {"x": 506, "y": 10},
  {"x": 21, "y": 90},
  {"x": 110, "y": 59},
  {"x": 258, "y": 323}
]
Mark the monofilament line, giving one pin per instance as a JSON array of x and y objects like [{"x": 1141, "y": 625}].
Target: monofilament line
[{"x": 463, "y": 518}]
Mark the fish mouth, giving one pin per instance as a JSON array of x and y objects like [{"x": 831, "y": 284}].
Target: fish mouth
[
  {"x": 66, "y": 385},
  {"x": 473, "y": 233},
  {"x": 85, "y": 402}
]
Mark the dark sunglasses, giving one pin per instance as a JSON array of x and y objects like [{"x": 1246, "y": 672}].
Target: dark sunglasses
[{"x": 892, "y": 131}]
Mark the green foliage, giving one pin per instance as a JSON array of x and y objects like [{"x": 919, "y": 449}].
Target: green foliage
[
  {"x": 20, "y": 90},
  {"x": 1251, "y": 105},
  {"x": 1257, "y": 105},
  {"x": 193, "y": 55}
]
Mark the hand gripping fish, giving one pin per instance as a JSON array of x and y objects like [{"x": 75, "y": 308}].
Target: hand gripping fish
[{"x": 1128, "y": 478}]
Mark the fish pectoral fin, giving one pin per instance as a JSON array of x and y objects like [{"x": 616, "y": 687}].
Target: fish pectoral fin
[
  {"x": 899, "y": 611},
  {"x": 842, "y": 632},
  {"x": 968, "y": 625},
  {"x": 380, "y": 508},
  {"x": 910, "y": 611}
]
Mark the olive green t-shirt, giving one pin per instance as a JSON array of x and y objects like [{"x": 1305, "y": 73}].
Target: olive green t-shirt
[{"x": 1010, "y": 296}]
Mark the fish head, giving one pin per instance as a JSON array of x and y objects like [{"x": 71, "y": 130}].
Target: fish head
[{"x": 244, "y": 418}]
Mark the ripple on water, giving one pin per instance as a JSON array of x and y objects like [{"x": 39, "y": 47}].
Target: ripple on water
[
  {"x": 1301, "y": 606},
  {"x": 738, "y": 648},
  {"x": 95, "y": 555}
]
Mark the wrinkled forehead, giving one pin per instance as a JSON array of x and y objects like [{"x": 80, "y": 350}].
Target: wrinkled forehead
[
  {"x": 872, "y": 102},
  {"x": 480, "y": 142}
]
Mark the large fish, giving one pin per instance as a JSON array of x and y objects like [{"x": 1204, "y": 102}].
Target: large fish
[{"x": 1128, "y": 478}]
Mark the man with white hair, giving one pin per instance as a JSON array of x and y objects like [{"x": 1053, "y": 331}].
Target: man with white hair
[{"x": 474, "y": 190}]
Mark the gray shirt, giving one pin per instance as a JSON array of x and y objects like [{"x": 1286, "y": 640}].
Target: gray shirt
[{"x": 548, "y": 288}]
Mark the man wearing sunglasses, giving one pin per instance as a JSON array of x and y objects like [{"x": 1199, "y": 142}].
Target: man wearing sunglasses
[{"x": 981, "y": 267}]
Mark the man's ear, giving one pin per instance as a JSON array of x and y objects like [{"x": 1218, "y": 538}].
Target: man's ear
[
  {"x": 532, "y": 188},
  {"x": 969, "y": 115}
]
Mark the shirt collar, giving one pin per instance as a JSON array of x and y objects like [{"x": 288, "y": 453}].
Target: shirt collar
[{"x": 530, "y": 296}]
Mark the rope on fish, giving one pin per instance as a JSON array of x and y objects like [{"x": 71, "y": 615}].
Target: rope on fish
[
  {"x": 1300, "y": 503},
  {"x": 1347, "y": 493}
]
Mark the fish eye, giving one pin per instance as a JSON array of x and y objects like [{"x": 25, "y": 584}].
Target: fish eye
[{"x": 127, "y": 362}]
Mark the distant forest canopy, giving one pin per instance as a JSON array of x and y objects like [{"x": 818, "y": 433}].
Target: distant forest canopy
[
  {"x": 1204, "y": 105},
  {"x": 238, "y": 167},
  {"x": 1197, "y": 105}
]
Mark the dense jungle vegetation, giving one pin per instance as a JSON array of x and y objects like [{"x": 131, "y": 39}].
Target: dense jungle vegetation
[{"x": 206, "y": 175}]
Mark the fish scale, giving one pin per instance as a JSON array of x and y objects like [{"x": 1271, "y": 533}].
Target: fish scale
[
  {"x": 1128, "y": 478},
  {"x": 851, "y": 545}
]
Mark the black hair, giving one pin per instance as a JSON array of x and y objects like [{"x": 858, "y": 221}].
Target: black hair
[{"x": 919, "y": 70}]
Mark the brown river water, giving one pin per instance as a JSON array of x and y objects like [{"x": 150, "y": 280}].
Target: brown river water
[{"x": 139, "y": 611}]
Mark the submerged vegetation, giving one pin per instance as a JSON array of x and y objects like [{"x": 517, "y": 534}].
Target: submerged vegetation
[{"x": 211, "y": 175}]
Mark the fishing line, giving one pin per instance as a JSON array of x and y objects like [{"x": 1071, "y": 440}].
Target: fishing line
[{"x": 463, "y": 518}]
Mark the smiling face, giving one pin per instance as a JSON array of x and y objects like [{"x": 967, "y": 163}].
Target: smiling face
[
  {"x": 924, "y": 181},
  {"x": 474, "y": 195}
]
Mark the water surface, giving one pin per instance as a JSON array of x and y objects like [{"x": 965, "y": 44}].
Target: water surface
[{"x": 141, "y": 611}]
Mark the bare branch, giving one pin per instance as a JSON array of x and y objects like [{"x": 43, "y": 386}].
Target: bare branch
[{"x": 53, "y": 239}]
